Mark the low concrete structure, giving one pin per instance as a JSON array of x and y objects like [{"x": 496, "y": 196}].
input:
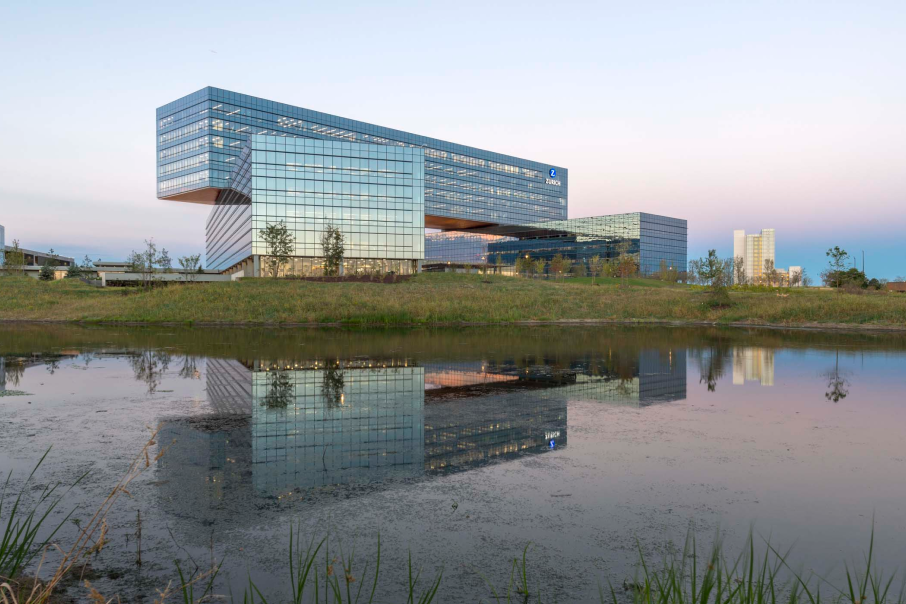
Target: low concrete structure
[
  {"x": 34, "y": 271},
  {"x": 129, "y": 278}
]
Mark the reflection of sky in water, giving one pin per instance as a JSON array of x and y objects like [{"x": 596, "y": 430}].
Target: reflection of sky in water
[{"x": 648, "y": 434}]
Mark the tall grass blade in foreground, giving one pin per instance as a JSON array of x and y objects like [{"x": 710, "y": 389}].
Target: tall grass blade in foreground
[
  {"x": 751, "y": 578},
  {"x": 20, "y": 544}
]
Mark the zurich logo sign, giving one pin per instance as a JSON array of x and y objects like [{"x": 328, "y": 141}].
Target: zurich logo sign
[{"x": 553, "y": 173}]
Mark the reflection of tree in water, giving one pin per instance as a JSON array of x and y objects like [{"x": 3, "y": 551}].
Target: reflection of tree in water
[
  {"x": 712, "y": 363},
  {"x": 52, "y": 366},
  {"x": 837, "y": 384},
  {"x": 150, "y": 366},
  {"x": 13, "y": 369},
  {"x": 332, "y": 386},
  {"x": 189, "y": 368},
  {"x": 279, "y": 390},
  {"x": 624, "y": 388}
]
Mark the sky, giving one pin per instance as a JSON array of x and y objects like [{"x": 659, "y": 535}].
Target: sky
[{"x": 732, "y": 115}]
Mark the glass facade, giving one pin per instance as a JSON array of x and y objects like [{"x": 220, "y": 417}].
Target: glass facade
[
  {"x": 374, "y": 194},
  {"x": 200, "y": 138},
  {"x": 654, "y": 239}
]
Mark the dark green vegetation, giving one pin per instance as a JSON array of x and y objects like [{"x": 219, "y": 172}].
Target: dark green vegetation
[{"x": 441, "y": 298}]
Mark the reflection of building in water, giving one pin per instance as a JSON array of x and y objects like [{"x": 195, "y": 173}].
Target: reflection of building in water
[
  {"x": 464, "y": 433},
  {"x": 279, "y": 427},
  {"x": 336, "y": 425},
  {"x": 207, "y": 460},
  {"x": 753, "y": 364},
  {"x": 652, "y": 376}
]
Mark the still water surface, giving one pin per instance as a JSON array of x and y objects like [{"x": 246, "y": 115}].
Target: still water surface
[{"x": 463, "y": 445}]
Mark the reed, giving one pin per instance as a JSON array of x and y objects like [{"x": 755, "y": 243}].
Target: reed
[{"x": 20, "y": 543}]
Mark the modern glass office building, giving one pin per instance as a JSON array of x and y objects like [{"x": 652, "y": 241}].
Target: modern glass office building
[
  {"x": 258, "y": 162},
  {"x": 657, "y": 242},
  {"x": 374, "y": 178}
]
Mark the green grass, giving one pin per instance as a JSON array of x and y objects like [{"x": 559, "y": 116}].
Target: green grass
[{"x": 436, "y": 299}]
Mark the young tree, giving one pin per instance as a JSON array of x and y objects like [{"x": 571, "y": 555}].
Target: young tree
[
  {"x": 87, "y": 268},
  {"x": 560, "y": 265},
  {"x": 538, "y": 266},
  {"x": 714, "y": 271},
  {"x": 74, "y": 271},
  {"x": 837, "y": 258},
  {"x": 739, "y": 268},
  {"x": 805, "y": 278},
  {"x": 499, "y": 263},
  {"x": 627, "y": 265},
  {"x": 15, "y": 259},
  {"x": 189, "y": 266},
  {"x": 579, "y": 269},
  {"x": 594, "y": 267},
  {"x": 164, "y": 262},
  {"x": 332, "y": 243},
  {"x": 770, "y": 273},
  {"x": 795, "y": 279},
  {"x": 279, "y": 246},
  {"x": 47, "y": 272},
  {"x": 662, "y": 271},
  {"x": 147, "y": 262},
  {"x": 694, "y": 272}
]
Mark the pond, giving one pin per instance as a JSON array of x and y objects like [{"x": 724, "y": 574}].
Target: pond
[{"x": 461, "y": 446}]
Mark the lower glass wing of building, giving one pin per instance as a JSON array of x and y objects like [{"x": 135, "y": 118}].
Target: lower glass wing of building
[
  {"x": 657, "y": 242},
  {"x": 374, "y": 194}
]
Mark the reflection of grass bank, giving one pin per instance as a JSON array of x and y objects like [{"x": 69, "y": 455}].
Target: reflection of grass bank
[{"x": 436, "y": 299}]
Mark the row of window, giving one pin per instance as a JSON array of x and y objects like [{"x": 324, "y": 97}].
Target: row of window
[
  {"x": 187, "y": 130},
  {"x": 189, "y": 147},
  {"x": 310, "y": 160},
  {"x": 490, "y": 190},
  {"x": 184, "y": 164},
  {"x": 290, "y": 185},
  {"x": 470, "y": 202},
  {"x": 182, "y": 181}
]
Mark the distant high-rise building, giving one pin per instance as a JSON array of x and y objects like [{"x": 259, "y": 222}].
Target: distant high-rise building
[{"x": 754, "y": 251}]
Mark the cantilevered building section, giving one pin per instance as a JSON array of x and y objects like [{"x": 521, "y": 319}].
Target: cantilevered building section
[{"x": 380, "y": 186}]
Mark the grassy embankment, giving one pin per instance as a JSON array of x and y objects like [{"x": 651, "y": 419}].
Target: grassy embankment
[{"x": 439, "y": 298}]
